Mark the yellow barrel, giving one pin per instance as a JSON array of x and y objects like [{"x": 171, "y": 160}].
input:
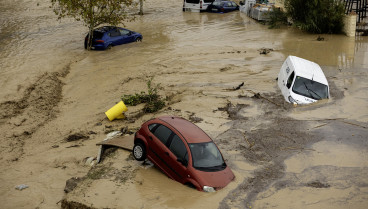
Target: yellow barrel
[{"x": 117, "y": 111}]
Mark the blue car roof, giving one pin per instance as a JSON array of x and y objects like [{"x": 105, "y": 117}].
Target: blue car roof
[{"x": 104, "y": 29}]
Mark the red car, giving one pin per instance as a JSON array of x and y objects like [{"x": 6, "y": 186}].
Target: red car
[{"x": 182, "y": 151}]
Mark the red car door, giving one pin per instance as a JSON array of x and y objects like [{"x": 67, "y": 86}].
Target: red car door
[
  {"x": 177, "y": 158},
  {"x": 158, "y": 138}
]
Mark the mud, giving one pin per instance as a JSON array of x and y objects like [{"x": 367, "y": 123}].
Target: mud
[
  {"x": 23, "y": 117},
  {"x": 210, "y": 68}
]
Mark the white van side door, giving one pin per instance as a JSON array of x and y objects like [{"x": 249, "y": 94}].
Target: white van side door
[
  {"x": 286, "y": 79},
  {"x": 281, "y": 79},
  {"x": 289, "y": 82}
]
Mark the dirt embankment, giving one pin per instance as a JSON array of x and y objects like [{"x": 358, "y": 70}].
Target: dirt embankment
[{"x": 22, "y": 118}]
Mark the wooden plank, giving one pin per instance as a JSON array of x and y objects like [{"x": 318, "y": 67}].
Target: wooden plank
[{"x": 124, "y": 142}]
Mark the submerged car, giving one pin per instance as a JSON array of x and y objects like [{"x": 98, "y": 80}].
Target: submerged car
[
  {"x": 222, "y": 6},
  {"x": 302, "y": 81},
  {"x": 183, "y": 151},
  {"x": 108, "y": 36}
]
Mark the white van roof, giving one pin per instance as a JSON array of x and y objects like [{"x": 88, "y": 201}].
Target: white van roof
[{"x": 307, "y": 69}]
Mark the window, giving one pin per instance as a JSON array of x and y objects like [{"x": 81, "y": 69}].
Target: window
[
  {"x": 310, "y": 88},
  {"x": 290, "y": 80},
  {"x": 177, "y": 147},
  {"x": 208, "y": 1},
  {"x": 192, "y": 1},
  {"x": 162, "y": 133},
  {"x": 206, "y": 157},
  {"x": 152, "y": 126},
  {"x": 124, "y": 32},
  {"x": 114, "y": 33},
  {"x": 97, "y": 35}
]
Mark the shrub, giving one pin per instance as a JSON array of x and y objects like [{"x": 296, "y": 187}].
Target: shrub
[
  {"x": 277, "y": 18},
  {"x": 317, "y": 16},
  {"x": 153, "y": 100}
]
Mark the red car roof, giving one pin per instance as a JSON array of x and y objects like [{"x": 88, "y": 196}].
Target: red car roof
[{"x": 191, "y": 132}]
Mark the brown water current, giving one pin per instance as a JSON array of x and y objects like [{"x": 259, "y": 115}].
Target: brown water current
[{"x": 312, "y": 156}]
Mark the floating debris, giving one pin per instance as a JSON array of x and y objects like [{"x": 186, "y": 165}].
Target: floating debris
[{"x": 20, "y": 187}]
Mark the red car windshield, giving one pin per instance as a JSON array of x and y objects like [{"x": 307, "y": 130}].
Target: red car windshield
[{"x": 206, "y": 157}]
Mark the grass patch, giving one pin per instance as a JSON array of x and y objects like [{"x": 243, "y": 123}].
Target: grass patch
[{"x": 151, "y": 98}]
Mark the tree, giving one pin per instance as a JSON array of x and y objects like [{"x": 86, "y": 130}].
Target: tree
[
  {"x": 94, "y": 12},
  {"x": 317, "y": 16},
  {"x": 141, "y": 7}
]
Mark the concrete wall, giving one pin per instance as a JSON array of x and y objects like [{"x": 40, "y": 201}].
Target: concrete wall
[{"x": 350, "y": 24}]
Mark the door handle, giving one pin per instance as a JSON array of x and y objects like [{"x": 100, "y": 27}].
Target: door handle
[
  {"x": 167, "y": 153},
  {"x": 150, "y": 137}
]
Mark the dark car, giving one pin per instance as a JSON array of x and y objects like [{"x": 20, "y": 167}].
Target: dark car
[
  {"x": 183, "y": 152},
  {"x": 108, "y": 36},
  {"x": 222, "y": 6}
]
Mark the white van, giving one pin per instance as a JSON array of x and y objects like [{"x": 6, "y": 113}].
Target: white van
[
  {"x": 302, "y": 81},
  {"x": 196, "y": 5}
]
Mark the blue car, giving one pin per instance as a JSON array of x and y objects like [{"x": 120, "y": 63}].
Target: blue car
[
  {"x": 108, "y": 36},
  {"x": 222, "y": 6}
]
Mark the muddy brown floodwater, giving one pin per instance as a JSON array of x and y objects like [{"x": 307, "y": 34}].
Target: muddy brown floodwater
[{"x": 52, "y": 90}]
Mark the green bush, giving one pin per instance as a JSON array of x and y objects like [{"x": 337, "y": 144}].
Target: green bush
[
  {"x": 277, "y": 18},
  {"x": 317, "y": 16},
  {"x": 153, "y": 100}
]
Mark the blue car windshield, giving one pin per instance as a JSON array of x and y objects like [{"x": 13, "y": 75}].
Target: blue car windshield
[
  {"x": 309, "y": 88},
  {"x": 206, "y": 157}
]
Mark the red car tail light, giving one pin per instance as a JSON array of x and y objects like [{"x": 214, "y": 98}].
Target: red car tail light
[
  {"x": 201, "y": 5},
  {"x": 100, "y": 41}
]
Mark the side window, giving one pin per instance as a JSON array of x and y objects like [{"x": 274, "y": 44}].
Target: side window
[
  {"x": 124, "y": 32},
  {"x": 290, "y": 80},
  {"x": 162, "y": 133},
  {"x": 193, "y": 1},
  {"x": 152, "y": 127},
  {"x": 114, "y": 33},
  {"x": 178, "y": 148}
]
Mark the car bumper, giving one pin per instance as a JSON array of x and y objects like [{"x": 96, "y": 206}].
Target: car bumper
[{"x": 98, "y": 46}]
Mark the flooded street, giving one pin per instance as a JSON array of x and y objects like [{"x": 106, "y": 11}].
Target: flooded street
[{"x": 312, "y": 156}]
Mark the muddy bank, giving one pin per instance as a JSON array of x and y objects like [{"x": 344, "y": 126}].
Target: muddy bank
[{"x": 22, "y": 118}]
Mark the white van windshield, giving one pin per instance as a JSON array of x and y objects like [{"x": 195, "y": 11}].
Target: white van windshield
[{"x": 309, "y": 88}]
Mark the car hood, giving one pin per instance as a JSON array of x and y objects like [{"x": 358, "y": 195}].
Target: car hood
[{"x": 217, "y": 179}]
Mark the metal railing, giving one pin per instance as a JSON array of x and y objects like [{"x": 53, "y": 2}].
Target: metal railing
[{"x": 358, "y": 6}]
